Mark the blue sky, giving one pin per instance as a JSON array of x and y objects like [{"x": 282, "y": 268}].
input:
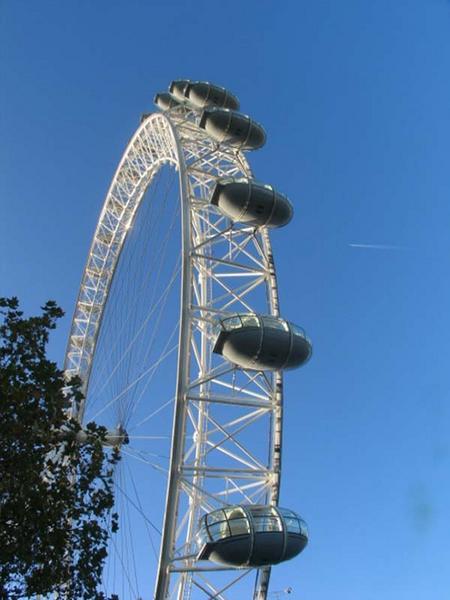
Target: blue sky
[{"x": 355, "y": 99}]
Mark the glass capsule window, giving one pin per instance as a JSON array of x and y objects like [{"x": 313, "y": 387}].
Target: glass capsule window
[
  {"x": 215, "y": 517},
  {"x": 237, "y": 321},
  {"x": 254, "y": 320},
  {"x": 275, "y": 323},
  {"x": 234, "y": 512},
  {"x": 262, "y": 524},
  {"x": 235, "y": 521},
  {"x": 303, "y": 528},
  {"x": 250, "y": 320},
  {"x": 222, "y": 524},
  {"x": 239, "y": 526},
  {"x": 293, "y": 523},
  {"x": 219, "y": 530},
  {"x": 285, "y": 512},
  {"x": 265, "y": 518},
  {"x": 227, "y": 180},
  {"x": 232, "y": 323},
  {"x": 202, "y": 533},
  {"x": 298, "y": 331}
]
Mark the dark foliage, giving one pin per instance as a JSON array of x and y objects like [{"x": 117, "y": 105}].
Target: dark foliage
[{"x": 56, "y": 494}]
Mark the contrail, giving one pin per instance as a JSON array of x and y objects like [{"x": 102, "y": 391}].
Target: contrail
[{"x": 377, "y": 246}]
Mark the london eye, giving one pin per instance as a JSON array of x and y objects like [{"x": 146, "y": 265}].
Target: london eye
[{"x": 179, "y": 342}]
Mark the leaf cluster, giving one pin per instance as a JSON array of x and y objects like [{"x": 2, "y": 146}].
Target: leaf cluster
[{"x": 56, "y": 495}]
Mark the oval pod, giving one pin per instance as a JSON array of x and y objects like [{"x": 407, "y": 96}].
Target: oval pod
[
  {"x": 178, "y": 88},
  {"x": 251, "y": 535},
  {"x": 164, "y": 101},
  {"x": 251, "y": 202},
  {"x": 234, "y": 128},
  {"x": 262, "y": 342},
  {"x": 203, "y": 93}
]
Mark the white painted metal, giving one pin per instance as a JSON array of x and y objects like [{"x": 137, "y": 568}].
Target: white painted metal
[{"x": 226, "y": 268}]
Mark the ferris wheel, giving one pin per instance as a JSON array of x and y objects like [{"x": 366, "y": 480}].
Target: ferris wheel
[{"x": 178, "y": 340}]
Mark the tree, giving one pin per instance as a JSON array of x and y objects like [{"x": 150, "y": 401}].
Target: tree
[{"x": 56, "y": 494}]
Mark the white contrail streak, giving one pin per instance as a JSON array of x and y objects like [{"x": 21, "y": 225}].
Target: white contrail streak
[{"x": 377, "y": 246}]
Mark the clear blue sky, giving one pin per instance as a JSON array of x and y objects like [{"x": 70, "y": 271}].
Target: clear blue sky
[{"x": 355, "y": 97}]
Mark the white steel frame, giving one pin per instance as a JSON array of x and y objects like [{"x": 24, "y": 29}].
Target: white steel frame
[{"x": 223, "y": 265}]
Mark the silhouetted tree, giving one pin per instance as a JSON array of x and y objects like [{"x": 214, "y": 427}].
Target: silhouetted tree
[{"x": 56, "y": 494}]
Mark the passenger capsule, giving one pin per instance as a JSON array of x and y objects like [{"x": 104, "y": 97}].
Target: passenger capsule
[
  {"x": 251, "y": 535},
  {"x": 250, "y": 202},
  {"x": 262, "y": 342},
  {"x": 234, "y": 128},
  {"x": 165, "y": 101},
  {"x": 178, "y": 88},
  {"x": 202, "y": 94}
]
